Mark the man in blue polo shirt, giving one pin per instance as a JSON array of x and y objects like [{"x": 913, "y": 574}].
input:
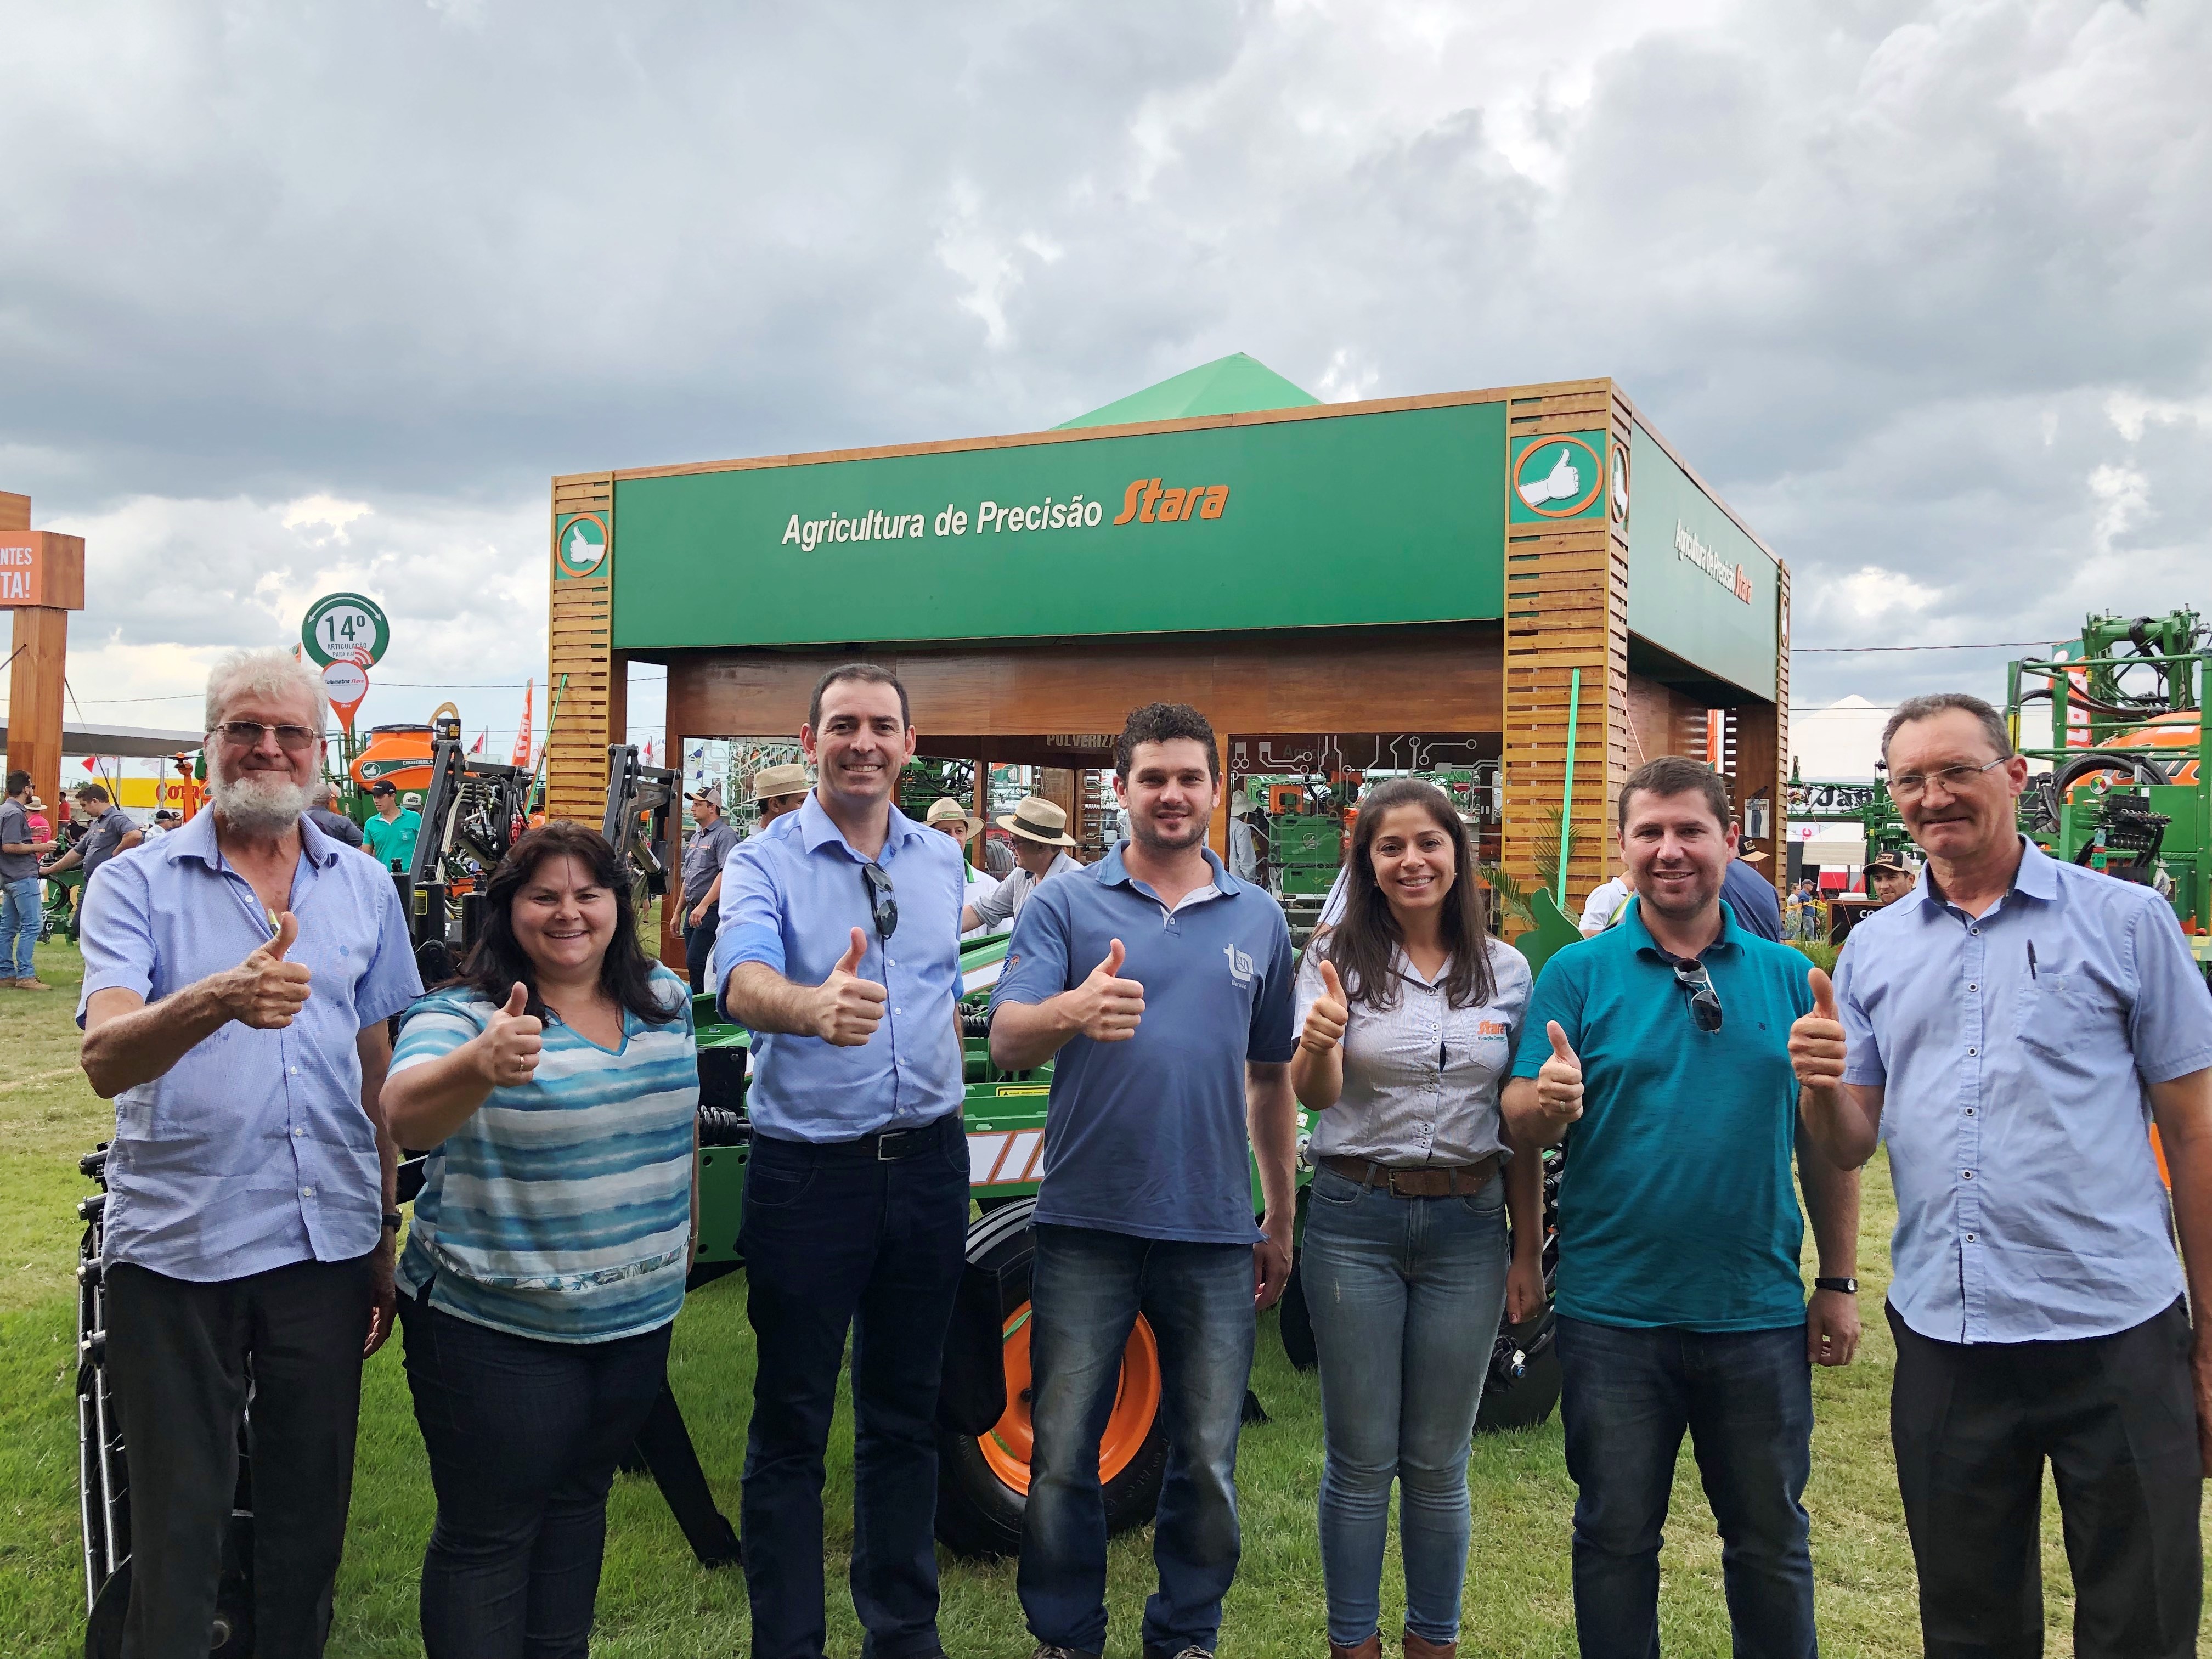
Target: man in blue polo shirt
[
  {"x": 1660, "y": 1051},
  {"x": 839, "y": 947},
  {"x": 1159, "y": 985}
]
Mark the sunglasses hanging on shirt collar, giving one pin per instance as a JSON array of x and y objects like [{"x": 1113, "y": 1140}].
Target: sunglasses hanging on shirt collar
[
  {"x": 882, "y": 898},
  {"x": 1704, "y": 1002}
]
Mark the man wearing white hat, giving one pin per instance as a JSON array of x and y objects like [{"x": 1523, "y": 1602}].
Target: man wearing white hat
[
  {"x": 950, "y": 817},
  {"x": 1040, "y": 831},
  {"x": 777, "y": 790}
]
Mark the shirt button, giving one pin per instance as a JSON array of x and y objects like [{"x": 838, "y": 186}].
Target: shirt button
[
  {"x": 296, "y": 1071},
  {"x": 1966, "y": 1175},
  {"x": 1970, "y": 1239},
  {"x": 1975, "y": 931},
  {"x": 300, "y": 1130},
  {"x": 1969, "y": 1111},
  {"x": 1970, "y": 1051},
  {"x": 1970, "y": 985},
  {"x": 307, "y": 1192}
]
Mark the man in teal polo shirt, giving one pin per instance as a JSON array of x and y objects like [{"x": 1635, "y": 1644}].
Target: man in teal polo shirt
[
  {"x": 389, "y": 835},
  {"x": 1659, "y": 1050}
]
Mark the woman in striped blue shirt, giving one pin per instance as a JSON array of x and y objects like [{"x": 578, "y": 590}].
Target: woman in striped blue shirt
[{"x": 558, "y": 1080}]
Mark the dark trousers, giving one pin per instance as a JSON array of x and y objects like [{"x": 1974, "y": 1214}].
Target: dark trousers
[
  {"x": 699, "y": 945},
  {"x": 524, "y": 1437},
  {"x": 1086, "y": 1288},
  {"x": 2116, "y": 1416},
  {"x": 834, "y": 1240},
  {"x": 181, "y": 1356},
  {"x": 1745, "y": 1398}
]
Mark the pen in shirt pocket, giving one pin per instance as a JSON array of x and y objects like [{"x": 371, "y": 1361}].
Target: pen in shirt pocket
[{"x": 2031, "y": 959}]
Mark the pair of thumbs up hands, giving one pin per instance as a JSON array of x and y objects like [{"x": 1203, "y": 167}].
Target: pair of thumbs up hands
[{"x": 1816, "y": 1055}]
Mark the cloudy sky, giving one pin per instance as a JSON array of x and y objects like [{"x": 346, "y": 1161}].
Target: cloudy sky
[{"x": 296, "y": 297}]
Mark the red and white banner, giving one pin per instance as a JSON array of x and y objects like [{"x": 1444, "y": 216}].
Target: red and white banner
[{"x": 522, "y": 737}]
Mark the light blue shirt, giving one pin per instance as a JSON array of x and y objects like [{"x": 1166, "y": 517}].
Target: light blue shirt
[
  {"x": 792, "y": 895},
  {"x": 252, "y": 1151},
  {"x": 2029, "y": 1207}
]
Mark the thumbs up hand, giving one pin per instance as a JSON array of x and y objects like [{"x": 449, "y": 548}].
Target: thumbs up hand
[
  {"x": 1327, "y": 1018},
  {"x": 1105, "y": 1007},
  {"x": 847, "y": 1008},
  {"x": 1559, "y": 1083},
  {"x": 1816, "y": 1040},
  {"x": 266, "y": 991},
  {"x": 507, "y": 1048}
]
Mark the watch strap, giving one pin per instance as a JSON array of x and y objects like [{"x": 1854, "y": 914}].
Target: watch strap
[
  {"x": 393, "y": 1221},
  {"x": 1848, "y": 1286}
]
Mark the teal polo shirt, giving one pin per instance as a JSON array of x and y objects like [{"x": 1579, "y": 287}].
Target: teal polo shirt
[{"x": 1677, "y": 1206}]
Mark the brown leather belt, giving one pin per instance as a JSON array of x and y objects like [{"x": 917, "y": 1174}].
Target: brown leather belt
[{"x": 1430, "y": 1181}]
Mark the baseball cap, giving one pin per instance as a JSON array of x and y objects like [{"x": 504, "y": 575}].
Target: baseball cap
[
  {"x": 711, "y": 793},
  {"x": 383, "y": 787},
  {"x": 412, "y": 797}
]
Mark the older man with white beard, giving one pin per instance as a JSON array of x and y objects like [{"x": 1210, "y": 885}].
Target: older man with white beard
[{"x": 238, "y": 973}]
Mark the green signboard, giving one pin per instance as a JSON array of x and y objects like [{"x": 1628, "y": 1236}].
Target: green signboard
[
  {"x": 1699, "y": 585},
  {"x": 1391, "y": 517},
  {"x": 345, "y": 628}
]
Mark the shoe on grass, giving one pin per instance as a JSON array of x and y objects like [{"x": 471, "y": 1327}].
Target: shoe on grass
[
  {"x": 1052, "y": 1650},
  {"x": 27, "y": 984}
]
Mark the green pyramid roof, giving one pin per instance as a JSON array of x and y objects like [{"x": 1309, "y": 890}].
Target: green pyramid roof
[{"x": 1227, "y": 386}]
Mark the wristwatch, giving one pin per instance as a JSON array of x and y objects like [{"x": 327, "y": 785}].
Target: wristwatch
[
  {"x": 392, "y": 1221},
  {"x": 1848, "y": 1286}
]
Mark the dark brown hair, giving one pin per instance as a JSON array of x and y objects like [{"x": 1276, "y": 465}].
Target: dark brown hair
[
  {"x": 498, "y": 961},
  {"x": 1362, "y": 945},
  {"x": 1163, "y": 722},
  {"x": 1678, "y": 775},
  {"x": 867, "y": 673}
]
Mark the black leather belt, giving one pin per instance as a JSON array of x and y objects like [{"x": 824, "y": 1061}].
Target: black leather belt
[{"x": 889, "y": 1145}]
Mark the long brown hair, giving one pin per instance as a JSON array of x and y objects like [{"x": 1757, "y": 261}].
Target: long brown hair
[
  {"x": 498, "y": 960},
  {"x": 1362, "y": 945}
]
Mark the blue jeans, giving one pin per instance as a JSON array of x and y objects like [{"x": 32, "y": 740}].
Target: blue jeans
[
  {"x": 19, "y": 926},
  {"x": 523, "y": 1437},
  {"x": 834, "y": 1240},
  {"x": 1746, "y": 1398},
  {"x": 1405, "y": 1294},
  {"x": 1086, "y": 1288}
]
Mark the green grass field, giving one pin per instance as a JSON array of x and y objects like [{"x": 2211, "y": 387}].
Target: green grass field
[{"x": 655, "y": 1601}]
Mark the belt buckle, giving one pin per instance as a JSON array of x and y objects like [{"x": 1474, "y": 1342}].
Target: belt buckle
[
  {"x": 884, "y": 1139},
  {"x": 1390, "y": 1180}
]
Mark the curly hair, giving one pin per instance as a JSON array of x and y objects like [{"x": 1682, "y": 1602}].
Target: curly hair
[{"x": 1163, "y": 722}]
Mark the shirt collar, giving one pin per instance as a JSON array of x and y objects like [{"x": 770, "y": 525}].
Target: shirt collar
[
  {"x": 816, "y": 832},
  {"x": 196, "y": 840},
  {"x": 2036, "y": 877},
  {"x": 1112, "y": 872},
  {"x": 1730, "y": 937}
]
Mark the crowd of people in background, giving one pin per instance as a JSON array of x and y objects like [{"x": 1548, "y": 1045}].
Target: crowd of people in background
[{"x": 245, "y": 972}]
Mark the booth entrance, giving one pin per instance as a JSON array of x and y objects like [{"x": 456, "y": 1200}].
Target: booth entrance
[{"x": 1524, "y": 592}]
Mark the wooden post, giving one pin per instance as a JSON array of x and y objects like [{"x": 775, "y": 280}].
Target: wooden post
[{"x": 42, "y": 581}]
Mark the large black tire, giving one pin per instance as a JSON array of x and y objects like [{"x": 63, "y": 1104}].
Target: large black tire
[{"x": 979, "y": 1514}]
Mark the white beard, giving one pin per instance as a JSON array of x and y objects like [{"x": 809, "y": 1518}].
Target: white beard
[{"x": 257, "y": 803}]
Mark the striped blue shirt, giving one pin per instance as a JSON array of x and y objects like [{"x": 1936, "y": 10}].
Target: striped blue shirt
[{"x": 562, "y": 1209}]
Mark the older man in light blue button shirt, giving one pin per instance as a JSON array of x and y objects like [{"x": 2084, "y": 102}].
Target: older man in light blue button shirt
[
  {"x": 2013, "y": 1028},
  {"x": 238, "y": 975},
  {"x": 839, "y": 950}
]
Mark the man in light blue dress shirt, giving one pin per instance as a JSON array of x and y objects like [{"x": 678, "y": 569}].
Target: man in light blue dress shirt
[
  {"x": 2013, "y": 1028},
  {"x": 238, "y": 975},
  {"x": 838, "y": 949}
]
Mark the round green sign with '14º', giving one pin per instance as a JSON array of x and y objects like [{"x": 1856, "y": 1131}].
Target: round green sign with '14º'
[{"x": 345, "y": 628}]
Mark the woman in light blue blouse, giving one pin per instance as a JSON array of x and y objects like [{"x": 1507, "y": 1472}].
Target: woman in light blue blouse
[
  {"x": 558, "y": 1080},
  {"x": 1409, "y": 1016}
]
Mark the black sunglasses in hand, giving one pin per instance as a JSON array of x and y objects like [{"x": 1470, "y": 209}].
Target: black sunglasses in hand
[
  {"x": 882, "y": 898},
  {"x": 1704, "y": 1002}
]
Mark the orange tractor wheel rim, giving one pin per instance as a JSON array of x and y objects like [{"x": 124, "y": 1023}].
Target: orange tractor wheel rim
[{"x": 1008, "y": 1447}]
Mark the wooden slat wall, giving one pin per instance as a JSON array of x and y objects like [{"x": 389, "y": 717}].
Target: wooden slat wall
[
  {"x": 591, "y": 712},
  {"x": 1566, "y": 607}
]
